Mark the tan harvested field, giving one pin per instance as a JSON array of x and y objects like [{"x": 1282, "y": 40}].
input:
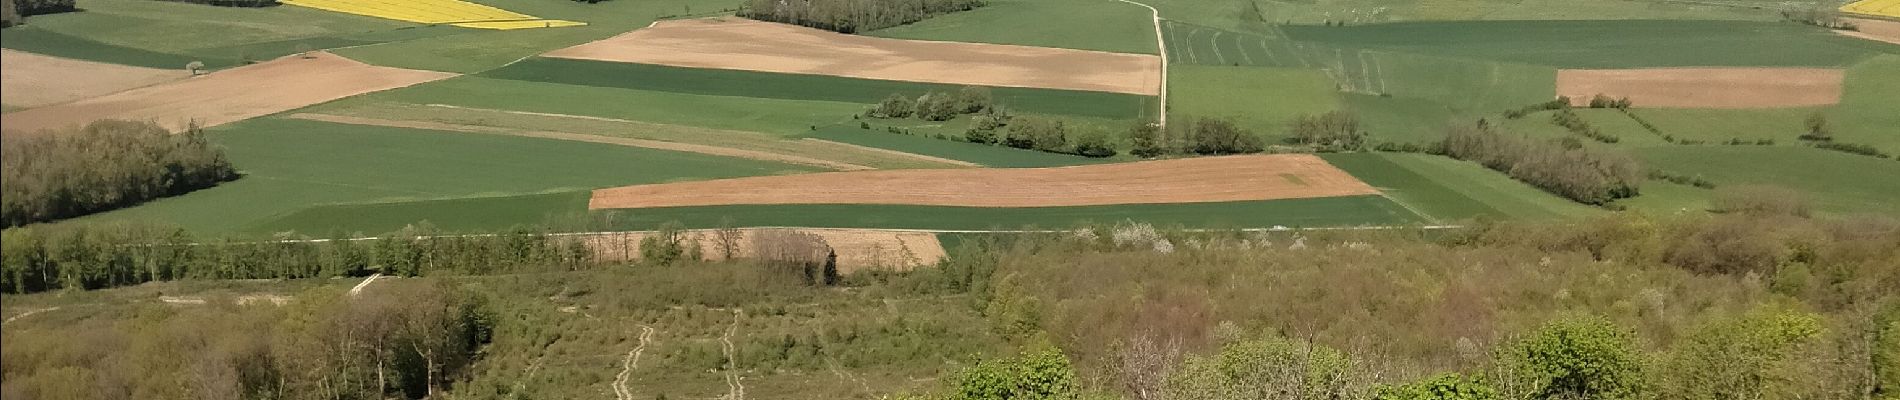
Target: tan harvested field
[
  {"x": 858, "y": 249},
  {"x": 1705, "y": 87},
  {"x": 1874, "y": 29},
  {"x": 742, "y": 44},
  {"x": 228, "y": 96},
  {"x": 1194, "y": 180},
  {"x": 837, "y": 156},
  {"x": 30, "y": 80}
]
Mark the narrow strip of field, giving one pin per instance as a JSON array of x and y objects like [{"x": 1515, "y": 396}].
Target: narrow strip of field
[
  {"x": 30, "y": 80},
  {"x": 228, "y": 96},
  {"x": 1210, "y": 179},
  {"x": 1705, "y": 87},
  {"x": 1875, "y": 29},
  {"x": 735, "y": 43},
  {"x": 452, "y": 12}
]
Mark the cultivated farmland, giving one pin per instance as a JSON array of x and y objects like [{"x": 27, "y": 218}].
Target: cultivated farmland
[
  {"x": 1705, "y": 87},
  {"x": 32, "y": 80}
]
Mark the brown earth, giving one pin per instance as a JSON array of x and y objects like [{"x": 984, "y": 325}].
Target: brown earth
[
  {"x": 742, "y": 44},
  {"x": 1208, "y": 179},
  {"x": 1874, "y": 29},
  {"x": 858, "y": 249},
  {"x": 1705, "y": 87},
  {"x": 227, "y": 96},
  {"x": 30, "y": 80}
]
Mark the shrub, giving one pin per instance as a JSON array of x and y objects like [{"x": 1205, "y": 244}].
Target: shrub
[
  {"x": 936, "y": 106},
  {"x": 105, "y": 165},
  {"x": 894, "y": 106},
  {"x": 1575, "y": 124},
  {"x": 1737, "y": 358},
  {"x": 1761, "y": 200},
  {"x": 664, "y": 246},
  {"x": 1560, "y": 102},
  {"x": 1818, "y": 129},
  {"x": 851, "y": 16},
  {"x": 1441, "y": 387},
  {"x": 1040, "y": 373},
  {"x": 1576, "y": 357},
  {"x": 1265, "y": 368},
  {"x": 1094, "y": 144},
  {"x": 1037, "y": 133},
  {"x": 1218, "y": 136},
  {"x": 26, "y": 8},
  {"x": 1586, "y": 175},
  {"x": 1852, "y": 148},
  {"x": 973, "y": 99},
  {"x": 1144, "y": 138},
  {"x": 1601, "y": 101},
  {"x": 1332, "y": 131}
]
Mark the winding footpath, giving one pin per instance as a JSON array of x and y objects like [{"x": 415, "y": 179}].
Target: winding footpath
[
  {"x": 1161, "y": 44},
  {"x": 628, "y": 364}
]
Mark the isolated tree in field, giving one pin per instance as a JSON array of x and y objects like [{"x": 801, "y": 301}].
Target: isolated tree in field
[{"x": 1818, "y": 129}]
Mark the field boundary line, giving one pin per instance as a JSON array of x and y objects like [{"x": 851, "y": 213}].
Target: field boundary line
[{"x": 1161, "y": 45}]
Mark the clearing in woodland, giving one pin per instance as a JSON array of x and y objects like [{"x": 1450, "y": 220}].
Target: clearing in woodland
[
  {"x": 30, "y": 80},
  {"x": 1210, "y": 179},
  {"x": 733, "y": 43},
  {"x": 228, "y": 96},
  {"x": 1705, "y": 87}
]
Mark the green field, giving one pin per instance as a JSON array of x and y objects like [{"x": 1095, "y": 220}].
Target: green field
[
  {"x": 803, "y": 87},
  {"x": 1263, "y": 100},
  {"x": 1608, "y": 44},
  {"x": 755, "y": 114},
  {"x": 1451, "y": 190},
  {"x": 1869, "y": 112},
  {"x": 1102, "y": 25},
  {"x": 168, "y": 35},
  {"x": 293, "y": 164},
  {"x": 497, "y": 213},
  {"x": 1836, "y": 182},
  {"x": 1259, "y": 15},
  {"x": 987, "y": 155}
]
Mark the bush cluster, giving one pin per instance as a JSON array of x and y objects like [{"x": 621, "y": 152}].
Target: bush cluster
[
  {"x": 1583, "y": 174},
  {"x": 1329, "y": 132},
  {"x": 105, "y": 165},
  {"x": 1197, "y": 136},
  {"x": 1560, "y": 103},
  {"x": 1852, "y": 148},
  {"x": 1680, "y": 179},
  {"x": 1568, "y": 119},
  {"x": 852, "y": 16}
]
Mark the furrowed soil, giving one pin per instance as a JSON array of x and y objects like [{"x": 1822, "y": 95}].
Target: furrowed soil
[
  {"x": 1705, "y": 87},
  {"x": 30, "y": 80}
]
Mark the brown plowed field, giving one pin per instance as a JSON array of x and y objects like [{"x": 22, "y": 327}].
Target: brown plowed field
[
  {"x": 858, "y": 249},
  {"x": 743, "y": 44},
  {"x": 30, "y": 80},
  {"x": 1874, "y": 29},
  {"x": 1209, "y": 179},
  {"x": 228, "y": 96},
  {"x": 1705, "y": 87}
]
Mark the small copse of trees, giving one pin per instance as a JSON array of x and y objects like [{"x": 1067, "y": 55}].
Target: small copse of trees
[
  {"x": 1329, "y": 132},
  {"x": 1568, "y": 169},
  {"x": 102, "y": 166},
  {"x": 852, "y": 16}
]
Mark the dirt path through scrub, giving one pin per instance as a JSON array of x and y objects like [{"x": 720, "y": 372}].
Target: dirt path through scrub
[
  {"x": 743, "y": 44},
  {"x": 629, "y": 363},
  {"x": 1194, "y": 180},
  {"x": 1705, "y": 87},
  {"x": 227, "y": 96},
  {"x": 30, "y": 80}
]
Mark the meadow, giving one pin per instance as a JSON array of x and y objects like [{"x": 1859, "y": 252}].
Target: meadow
[
  {"x": 1263, "y": 100},
  {"x": 1835, "y": 182},
  {"x": 754, "y": 114},
  {"x": 987, "y": 155},
  {"x": 1069, "y": 24},
  {"x": 1450, "y": 190}
]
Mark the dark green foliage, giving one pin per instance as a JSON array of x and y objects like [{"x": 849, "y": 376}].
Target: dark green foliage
[
  {"x": 1577, "y": 357},
  {"x": 664, "y": 246},
  {"x": 1037, "y": 133},
  {"x": 1332, "y": 131},
  {"x": 1440, "y": 387},
  {"x": 974, "y": 99},
  {"x": 1264, "y": 368},
  {"x": 1583, "y": 174},
  {"x": 938, "y": 106},
  {"x": 26, "y": 8},
  {"x": 1040, "y": 373},
  {"x": 1145, "y": 140},
  {"x": 1560, "y": 103},
  {"x": 1094, "y": 144},
  {"x": 1852, "y": 148},
  {"x": 852, "y": 16},
  {"x": 1680, "y": 179},
  {"x": 895, "y": 106},
  {"x": 105, "y": 165},
  {"x": 1214, "y": 136},
  {"x": 1601, "y": 101}
]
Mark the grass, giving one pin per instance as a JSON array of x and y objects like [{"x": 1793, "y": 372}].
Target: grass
[
  {"x": 1403, "y": 120},
  {"x": 993, "y": 156},
  {"x": 1101, "y": 25},
  {"x": 1784, "y": 125},
  {"x": 1261, "y": 99},
  {"x": 294, "y": 164},
  {"x": 802, "y": 87},
  {"x": 1609, "y": 44},
  {"x": 1869, "y": 111},
  {"x": 169, "y": 34},
  {"x": 1836, "y": 182},
  {"x": 32, "y": 39},
  {"x": 1258, "y": 14},
  {"x": 1450, "y": 190},
  {"x": 494, "y": 213},
  {"x": 753, "y": 114}
]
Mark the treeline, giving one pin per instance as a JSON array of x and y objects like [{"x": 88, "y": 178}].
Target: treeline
[
  {"x": 102, "y": 166},
  {"x": 13, "y": 11},
  {"x": 852, "y": 16},
  {"x": 407, "y": 338},
  {"x": 1563, "y": 167}
]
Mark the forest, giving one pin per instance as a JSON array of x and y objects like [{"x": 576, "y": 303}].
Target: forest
[{"x": 102, "y": 166}]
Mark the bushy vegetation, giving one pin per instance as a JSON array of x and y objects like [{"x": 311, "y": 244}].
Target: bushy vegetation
[
  {"x": 852, "y": 16},
  {"x": 1568, "y": 119},
  {"x": 102, "y": 166},
  {"x": 17, "y": 9},
  {"x": 1329, "y": 132},
  {"x": 1586, "y": 175},
  {"x": 1198, "y": 136},
  {"x": 406, "y": 339}
]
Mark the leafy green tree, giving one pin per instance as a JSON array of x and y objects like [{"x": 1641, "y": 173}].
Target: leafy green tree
[
  {"x": 973, "y": 99},
  {"x": 1145, "y": 140},
  {"x": 1040, "y": 373},
  {"x": 894, "y": 106},
  {"x": 1270, "y": 367},
  {"x": 1738, "y": 357},
  {"x": 1331, "y": 131},
  {"x": 1213, "y": 136},
  {"x": 1441, "y": 387},
  {"x": 1576, "y": 357},
  {"x": 1094, "y": 144}
]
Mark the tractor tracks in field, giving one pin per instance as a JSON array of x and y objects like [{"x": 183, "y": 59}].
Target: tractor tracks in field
[
  {"x": 629, "y": 363},
  {"x": 735, "y": 384}
]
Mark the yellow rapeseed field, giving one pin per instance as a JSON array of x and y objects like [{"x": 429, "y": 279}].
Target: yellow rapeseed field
[
  {"x": 452, "y": 12},
  {"x": 1890, "y": 8}
]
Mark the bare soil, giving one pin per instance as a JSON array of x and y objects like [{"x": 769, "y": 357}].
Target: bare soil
[
  {"x": 227, "y": 96},
  {"x": 30, "y": 80},
  {"x": 742, "y": 44},
  {"x": 1874, "y": 29},
  {"x": 858, "y": 249},
  {"x": 1207, "y": 179},
  {"x": 1705, "y": 87}
]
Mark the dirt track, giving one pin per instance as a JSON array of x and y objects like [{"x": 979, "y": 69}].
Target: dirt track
[
  {"x": 228, "y": 96},
  {"x": 742, "y": 44},
  {"x": 30, "y": 80},
  {"x": 1209, "y": 179},
  {"x": 1874, "y": 29},
  {"x": 1705, "y": 87},
  {"x": 858, "y": 249}
]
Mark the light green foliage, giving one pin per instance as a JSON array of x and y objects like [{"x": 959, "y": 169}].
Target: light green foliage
[
  {"x": 1576, "y": 356},
  {"x": 1269, "y": 367},
  {"x": 1886, "y": 354},
  {"x": 1040, "y": 373},
  {"x": 1738, "y": 357},
  {"x": 1441, "y": 387}
]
